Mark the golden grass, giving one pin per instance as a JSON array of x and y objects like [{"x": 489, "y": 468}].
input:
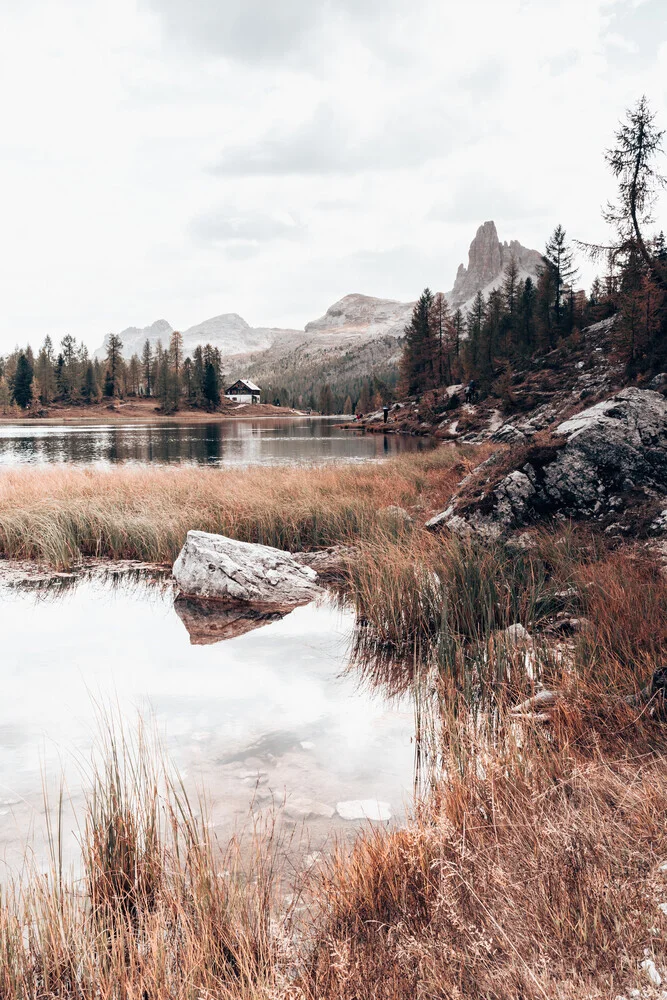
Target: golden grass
[
  {"x": 60, "y": 514},
  {"x": 161, "y": 911}
]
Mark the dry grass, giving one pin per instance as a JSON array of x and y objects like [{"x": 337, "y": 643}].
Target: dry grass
[
  {"x": 60, "y": 514},
  {"x": 160, "y": 912},
  {"x": 530, "y": 874}
]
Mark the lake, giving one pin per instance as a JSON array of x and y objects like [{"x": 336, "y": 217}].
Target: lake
[
  {"x": 269, "y": 721},
  {"x": 263, "y": 441}
]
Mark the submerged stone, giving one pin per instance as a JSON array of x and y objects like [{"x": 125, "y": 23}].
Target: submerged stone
[{"x": 372, "y": 809}]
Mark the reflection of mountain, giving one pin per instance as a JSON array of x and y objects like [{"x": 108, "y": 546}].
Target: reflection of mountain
[{"x": 208, "y": 622}]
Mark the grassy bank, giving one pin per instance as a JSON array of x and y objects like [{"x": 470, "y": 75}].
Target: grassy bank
[{"x": 60, "y": 514}]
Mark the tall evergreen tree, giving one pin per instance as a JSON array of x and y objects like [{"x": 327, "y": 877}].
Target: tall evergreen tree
[
  {"x": 417, "y": 364},
  {"x": 23, "y": 381},
  {"x": 559, "y": 258},
  {"x": 114, "y": 365},
  {"x": 147, "y": 367}
]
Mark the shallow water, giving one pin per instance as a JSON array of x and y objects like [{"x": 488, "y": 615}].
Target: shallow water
[
  {"x": 265, "y": 441},
  {"x": 269, "y": 720}
]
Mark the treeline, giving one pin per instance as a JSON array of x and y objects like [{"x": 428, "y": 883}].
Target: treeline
[
  {"x": 523, "y": 317},
  {"x": 69, "y": 376},
  {"x": 358, "y": 395}
]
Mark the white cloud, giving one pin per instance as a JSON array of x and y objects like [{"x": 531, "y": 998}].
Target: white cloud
[{"x": 183, "y": 159}]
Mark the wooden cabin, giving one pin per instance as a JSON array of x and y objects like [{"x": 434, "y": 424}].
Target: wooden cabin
[{"x": 243, "y": 391}]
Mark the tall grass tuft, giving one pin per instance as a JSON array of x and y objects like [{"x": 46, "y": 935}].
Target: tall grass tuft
[{"x": 161, "y": 911}]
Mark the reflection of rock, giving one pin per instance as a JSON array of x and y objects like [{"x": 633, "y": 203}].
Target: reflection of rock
[
  {"x": 364, "y": 809},
  {"x": 221, "y": 568},
  {"x": 210, "y": 621}
]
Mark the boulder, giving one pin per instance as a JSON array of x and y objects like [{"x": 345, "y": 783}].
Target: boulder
[
  {"x": 223, "y": 569},
  {"x": 603, "y": 463}
]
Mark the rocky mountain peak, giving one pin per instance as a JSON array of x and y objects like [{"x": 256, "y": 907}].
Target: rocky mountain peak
[
  {"x": 487, "y": 259},
  {"x": 363, "y": 314}
]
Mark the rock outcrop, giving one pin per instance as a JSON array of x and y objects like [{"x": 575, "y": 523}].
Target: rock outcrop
[
  {"x": 215, "y": 567},
  {"x": 607, "y": 463},
  {"x": 487, "y": 258}
]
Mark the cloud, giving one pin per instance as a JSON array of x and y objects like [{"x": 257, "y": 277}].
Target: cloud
[
  {"x": 256, "y": 31},
  {"x": 227, "y": 225},
  {"x": 479, "y": 197},
  {"x": 326, "y": 143}
]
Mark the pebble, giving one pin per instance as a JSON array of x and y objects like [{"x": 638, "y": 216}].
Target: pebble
[{"x": 652, "y": 974}]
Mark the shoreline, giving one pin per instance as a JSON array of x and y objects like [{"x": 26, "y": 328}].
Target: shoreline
[{"x": 135, "y": 413}]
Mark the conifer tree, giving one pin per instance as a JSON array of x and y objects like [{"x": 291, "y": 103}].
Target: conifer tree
[
  {"x": 147, "y": 367},
  {"x": 114, "y": 364},
  {"x": 23, "y": 381},
  {"x": 417, "y": 360},
  {"x": 559, "y": 259}
]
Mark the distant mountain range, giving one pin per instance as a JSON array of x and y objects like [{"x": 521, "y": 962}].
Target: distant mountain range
[{"x": 357, "y": 336}]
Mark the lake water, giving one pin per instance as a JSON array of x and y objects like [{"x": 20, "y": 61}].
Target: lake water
[
  {"x": 268, "y": 721},
  {"x": 265, "y": 441}
]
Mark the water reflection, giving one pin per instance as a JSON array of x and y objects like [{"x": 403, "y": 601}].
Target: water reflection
[
  {"x": 275, "y": 701},
  {"x": 224, "y": 442}
]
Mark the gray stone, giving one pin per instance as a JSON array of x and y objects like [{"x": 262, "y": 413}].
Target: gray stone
[
  {"x": 603, "y": 458},
  {"x": 220, "y": 568}
]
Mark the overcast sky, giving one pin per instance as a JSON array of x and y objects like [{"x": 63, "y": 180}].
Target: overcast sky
[{"x": 184, "y": 158}]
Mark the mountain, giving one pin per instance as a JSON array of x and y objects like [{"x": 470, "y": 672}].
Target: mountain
[
  {"x": 487, "y": 259},
  {"x": 362, "y": 314},
  {"x": 228, "y": 332},
  {"x": 357, "y": 336}
]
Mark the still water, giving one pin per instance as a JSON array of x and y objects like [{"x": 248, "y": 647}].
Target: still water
[
  {"x": 264, "y": 441},
  {"x": 269, "y": 720}
]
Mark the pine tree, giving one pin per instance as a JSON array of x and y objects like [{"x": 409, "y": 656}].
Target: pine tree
[
  {"x": 347, "y": 405},
  {"x": 211, "y": 385},
  {"x": 417, "y": 363},
  {"x": 114, "y": 364},
  {"x": 90, "y": 390},
  {"x": 560, "y": 259},
  {"x": 22, "y": 389},
  {"x": 147, "y": 367}
]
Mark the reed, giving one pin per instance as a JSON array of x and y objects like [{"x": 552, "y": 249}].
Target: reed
[
  {"x": 161, "y": 911},
  {"x": 59, "y": 515}
]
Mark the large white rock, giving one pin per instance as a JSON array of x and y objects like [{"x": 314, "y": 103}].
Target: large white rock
[{"x": 221, "y": 568}]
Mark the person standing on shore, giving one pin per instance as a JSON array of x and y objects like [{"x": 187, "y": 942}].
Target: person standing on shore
[{"x": 385, "y": 413}]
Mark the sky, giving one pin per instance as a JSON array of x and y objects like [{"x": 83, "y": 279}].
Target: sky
[{"x": 179, "y": 159}]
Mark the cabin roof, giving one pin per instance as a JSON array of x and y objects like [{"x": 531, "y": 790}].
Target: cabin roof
[{"x": 246, "y": 383}]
